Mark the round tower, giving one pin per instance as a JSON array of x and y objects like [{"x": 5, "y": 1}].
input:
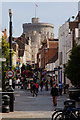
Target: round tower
[{"x": 35, "y": 20}]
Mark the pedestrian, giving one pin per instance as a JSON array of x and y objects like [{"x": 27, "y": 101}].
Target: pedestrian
[
  {"x": 37, "y": 87},
  {"x": 54, "y": 93},
  {"x": 34, "y": 90},
  {"x": 46, "y": 85},
  {"x": 31, "y": 86},
  {"x": 25, "y": 85},
  {"x": 22, "y": 86},
  {"x": 60, "y": 88},
  {"x": 51, "y": 82},
  {"x": 18, "y": 82},
  {"x": 41, "y": 85}
]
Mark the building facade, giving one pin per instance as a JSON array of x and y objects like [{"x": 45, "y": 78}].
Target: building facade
[
  {"x": 47, "y": 52},
  {"x": 15, "y": 55},
  {"x": 24, "y": 49},
  {"x": 67, "y": 38}
]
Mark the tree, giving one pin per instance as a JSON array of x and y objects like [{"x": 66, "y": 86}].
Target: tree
[
  {"x": 72, "y": 69},
  {"x": 5, "y": 65},
  {"x": 5, "y": 50},
  {"x": 5, "y": 54}
]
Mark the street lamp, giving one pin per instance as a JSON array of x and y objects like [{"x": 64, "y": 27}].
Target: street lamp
[
  {"x": 10, "y": 90},
  {"x": 10, "y": 43},
  {"x": 10, "y": 37}
]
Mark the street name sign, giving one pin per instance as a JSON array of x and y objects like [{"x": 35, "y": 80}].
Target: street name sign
[{"x": 10, "y": 73}]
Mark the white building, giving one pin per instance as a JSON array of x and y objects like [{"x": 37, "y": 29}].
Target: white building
[
  {"x": 68, "y": 35},
  {"x": 78, "y": 6},
  {"x": 65, "y": 46}
]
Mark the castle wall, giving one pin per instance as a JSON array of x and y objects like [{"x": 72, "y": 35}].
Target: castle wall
[{"x": 37, "y": 32}]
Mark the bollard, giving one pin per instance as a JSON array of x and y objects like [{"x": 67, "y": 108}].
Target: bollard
[
  {"x": 5, "y": 104},
  {"x": 10, "y": 92}
]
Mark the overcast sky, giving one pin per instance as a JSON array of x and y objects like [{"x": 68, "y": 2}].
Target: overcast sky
[{"x": 56, "y": 13}]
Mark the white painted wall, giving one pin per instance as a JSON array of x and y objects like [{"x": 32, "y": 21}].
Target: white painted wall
[
  {"x": 65, "y": 42},
  {"x": 78, "y": 6},
  {"x": 65, "y": 45},
  {"x": 79, "y": 34}
]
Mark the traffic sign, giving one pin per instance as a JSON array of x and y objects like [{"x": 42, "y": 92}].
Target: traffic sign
[{"x": 10, "y": 73}]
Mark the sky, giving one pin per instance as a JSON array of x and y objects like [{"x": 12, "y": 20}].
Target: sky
[{"x": 56, "y": 13}]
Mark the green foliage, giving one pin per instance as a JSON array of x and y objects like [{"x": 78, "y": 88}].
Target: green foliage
[
  {"x": 5, "y": 54},
  {"x": 72, "y": 69},
  {"x": 5, "y": 65},
  {"x": 5, "y": 50}
]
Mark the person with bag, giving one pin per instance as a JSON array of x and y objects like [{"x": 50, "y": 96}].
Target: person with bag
[
  {"x": 37, "y": 87},
  {"x": 54, "y": 93}
]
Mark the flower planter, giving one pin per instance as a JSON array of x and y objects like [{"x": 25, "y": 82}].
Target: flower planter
[{"x": 74, "y": 93}]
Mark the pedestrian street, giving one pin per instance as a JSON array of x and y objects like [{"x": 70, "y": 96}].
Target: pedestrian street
[{"x": 26, "y": 106}]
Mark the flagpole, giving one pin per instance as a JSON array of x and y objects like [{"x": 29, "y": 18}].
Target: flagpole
[{"x": 35, "y": 11}]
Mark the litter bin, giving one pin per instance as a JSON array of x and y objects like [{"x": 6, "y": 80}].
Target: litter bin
[
  {"x": 10, "y": 92},
  {"x": 5, "y": 104}
]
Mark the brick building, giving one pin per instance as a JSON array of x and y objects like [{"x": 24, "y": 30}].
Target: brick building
[{"x": 47, "y": 52}]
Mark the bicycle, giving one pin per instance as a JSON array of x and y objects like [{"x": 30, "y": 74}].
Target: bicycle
[
  {"x": 68, "y": 113},
  {"x": 56, "y": 112}
]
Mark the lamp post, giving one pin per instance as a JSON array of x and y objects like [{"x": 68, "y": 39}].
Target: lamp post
[
  {"x": 10, "y": 43},
  {"x": 10, "y": 90},
  {"x": 10, "y": 38}
]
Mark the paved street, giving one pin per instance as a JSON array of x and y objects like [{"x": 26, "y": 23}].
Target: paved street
[
  {"x": 26, "y": 106},
  {"x": 25, "y": 102}
]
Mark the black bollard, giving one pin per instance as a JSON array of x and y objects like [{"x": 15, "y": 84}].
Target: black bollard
[
  {"x": 5, "y": 104},
  {"x": 10, "y": 92}
]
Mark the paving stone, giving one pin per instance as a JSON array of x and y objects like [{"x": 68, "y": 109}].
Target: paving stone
[
  {"x": 26, "y": 119},
  {"x": 27, "y": 107}
]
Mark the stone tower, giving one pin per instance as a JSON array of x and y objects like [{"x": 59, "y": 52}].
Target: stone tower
[{"x": 37, "y": 32}]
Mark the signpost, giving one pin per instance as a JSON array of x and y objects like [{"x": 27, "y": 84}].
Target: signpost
[{"x": 10, "y": 73}]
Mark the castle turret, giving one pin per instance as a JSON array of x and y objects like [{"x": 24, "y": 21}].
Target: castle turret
[
  {"x": 38, "y": 32},
  {"x": 35, "y": 20}
]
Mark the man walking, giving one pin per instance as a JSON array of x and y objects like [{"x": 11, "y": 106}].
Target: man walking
[
  {"x": 46, "y": 85},
  {"x": 54, "y": 93},
  {"x": 41, "y": 85},
  {"x": 51, "y": 82},
  {"x": 60, "y": 88},
  {"x": 34, "y": 90}
]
